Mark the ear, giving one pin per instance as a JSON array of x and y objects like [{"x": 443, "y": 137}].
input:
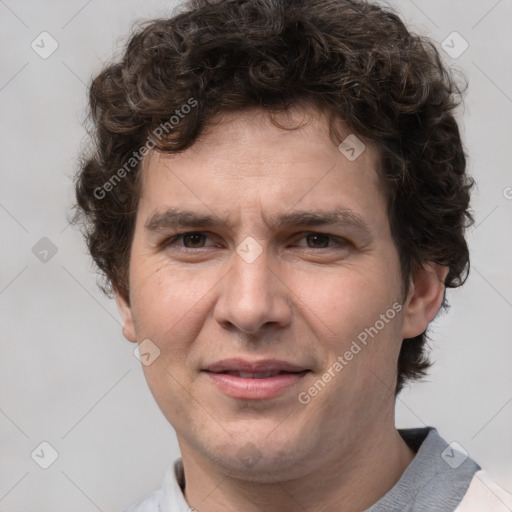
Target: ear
[
  {"x": 126, "y": 316},
  {"x": 424, "y": 298}
]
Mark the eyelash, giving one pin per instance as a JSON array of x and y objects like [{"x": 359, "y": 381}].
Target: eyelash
[{"x": 341, "y": 242}]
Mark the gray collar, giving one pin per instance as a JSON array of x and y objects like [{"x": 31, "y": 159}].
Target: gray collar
[{"x": 436, "y": 479}]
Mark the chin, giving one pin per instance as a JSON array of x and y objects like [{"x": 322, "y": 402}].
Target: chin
[
  {"x": 266, "y": 469},
  {"x": 262, "y": 459}
]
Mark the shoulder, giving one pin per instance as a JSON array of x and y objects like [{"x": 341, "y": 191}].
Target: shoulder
[
  {"x": 169, "y": 498},
  {"x": 484, "y": 494},
  {"x": 149, "y": 503}
]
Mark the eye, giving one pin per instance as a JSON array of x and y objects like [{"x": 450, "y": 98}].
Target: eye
[
  {"x": 196, "y": 240},
  {"x": 192, "y": 240},
  {"x": 321, "y": 240}
]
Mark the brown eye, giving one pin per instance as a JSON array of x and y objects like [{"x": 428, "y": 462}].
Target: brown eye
[
  {"x": 195, "y": 240},
  {"x": 191, "y": 240},
  {"x": 318, "y": 240},
  {"x": 322, "y": 241}
]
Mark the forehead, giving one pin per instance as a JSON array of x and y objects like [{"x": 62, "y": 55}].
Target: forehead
[
  {"x": 243, "y": 159},
  {"x": 301, "y": 131}
]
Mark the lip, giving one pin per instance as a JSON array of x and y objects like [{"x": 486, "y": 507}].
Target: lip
[
  {"x": 255, "y": 388},
  {"x": 243, "y": 365}
]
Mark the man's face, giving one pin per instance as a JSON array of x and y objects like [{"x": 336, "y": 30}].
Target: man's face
[{"x": 252, "y": 291}]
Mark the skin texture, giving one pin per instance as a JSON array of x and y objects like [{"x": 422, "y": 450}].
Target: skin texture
[{"x": 303, "y": 300}]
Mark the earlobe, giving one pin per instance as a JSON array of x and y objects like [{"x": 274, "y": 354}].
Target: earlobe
[
  {"x": 424, "y": 299},
  {"x": 126, "y": 316}
]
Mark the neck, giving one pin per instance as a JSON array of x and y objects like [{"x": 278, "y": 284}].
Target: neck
[{"x": 350, "y": 481}]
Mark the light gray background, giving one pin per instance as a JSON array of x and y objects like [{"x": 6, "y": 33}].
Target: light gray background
[{"x": 68, "y": 377}]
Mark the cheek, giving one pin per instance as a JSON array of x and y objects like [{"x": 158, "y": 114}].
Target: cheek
[
  {"x": 348, "y": 300},
  {"x": 167, "y": 309},
  {"x": 166, "y": 298},
  {"x": 360, "y": 347}
]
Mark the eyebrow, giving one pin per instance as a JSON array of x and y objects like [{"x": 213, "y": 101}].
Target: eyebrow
[{"x": 185, "y": 219}]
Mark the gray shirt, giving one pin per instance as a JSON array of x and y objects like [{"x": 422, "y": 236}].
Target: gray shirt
[{"x": 436, "y": 480}]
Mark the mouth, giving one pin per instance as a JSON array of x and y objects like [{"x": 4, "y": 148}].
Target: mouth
[
  {"x": 246, "y": 380},
  {"x": 256, "y": 375},
  {"x": 261, "y": 367}
]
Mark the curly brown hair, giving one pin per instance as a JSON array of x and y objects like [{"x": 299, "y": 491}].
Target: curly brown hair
[{"x": 354, "y": 60}]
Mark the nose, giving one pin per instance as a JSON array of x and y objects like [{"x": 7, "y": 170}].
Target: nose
[{"x": 253, "y": 296}]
